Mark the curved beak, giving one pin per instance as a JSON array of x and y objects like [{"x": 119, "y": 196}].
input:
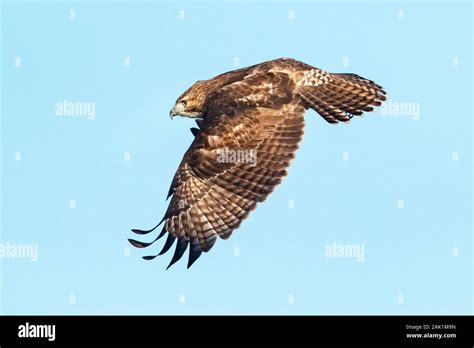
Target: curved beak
[{"x": 172, "y": 113}]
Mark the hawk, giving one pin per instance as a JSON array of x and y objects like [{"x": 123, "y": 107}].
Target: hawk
[{"x": 256, "y": 112}]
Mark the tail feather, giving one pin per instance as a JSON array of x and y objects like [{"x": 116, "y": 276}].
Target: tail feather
[{"x": 342, "y": 97}]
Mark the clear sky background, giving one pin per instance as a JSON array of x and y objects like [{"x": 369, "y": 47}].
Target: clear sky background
[{"x": 398, "y": 185}]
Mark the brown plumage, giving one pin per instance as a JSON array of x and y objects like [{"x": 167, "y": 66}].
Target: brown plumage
[{"x": 255, "y": 110}]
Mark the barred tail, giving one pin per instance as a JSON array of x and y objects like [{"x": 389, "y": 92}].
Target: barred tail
[{"x": 342, "y": 97}]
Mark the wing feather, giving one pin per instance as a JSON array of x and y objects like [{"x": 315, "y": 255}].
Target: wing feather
[{"x": 211, "y": 197}]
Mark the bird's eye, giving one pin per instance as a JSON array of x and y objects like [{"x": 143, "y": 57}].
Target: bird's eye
[{"x": 183, "y": 102}]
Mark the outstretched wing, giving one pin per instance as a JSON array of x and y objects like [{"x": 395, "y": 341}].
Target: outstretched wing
[{"x": 242, "y": 151}]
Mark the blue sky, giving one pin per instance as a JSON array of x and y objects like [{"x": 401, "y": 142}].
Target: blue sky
[{"x": 397, "y": 182}]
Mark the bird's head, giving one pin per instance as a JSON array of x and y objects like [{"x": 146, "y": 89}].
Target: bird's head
[{"x": 191, "y": 103}]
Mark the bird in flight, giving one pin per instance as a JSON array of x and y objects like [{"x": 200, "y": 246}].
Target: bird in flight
[{"x": 250, "y": 122}]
